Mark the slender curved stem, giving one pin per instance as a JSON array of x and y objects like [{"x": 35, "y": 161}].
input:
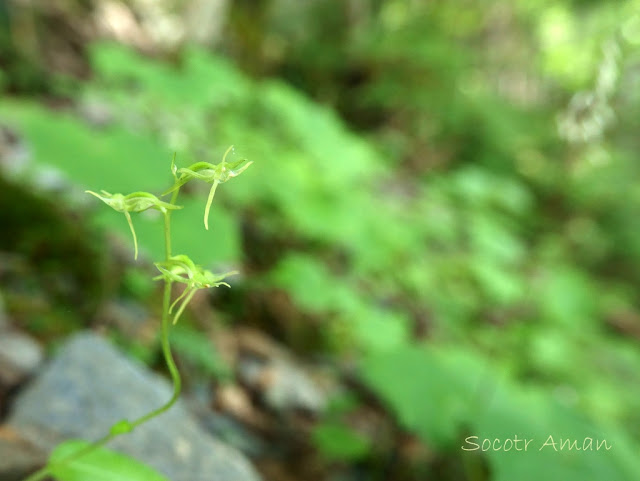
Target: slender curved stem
[
  {"x": 167, "y": 225},
  {"x": 166, "y": 347},
  {"x": 166, "y": 350}
]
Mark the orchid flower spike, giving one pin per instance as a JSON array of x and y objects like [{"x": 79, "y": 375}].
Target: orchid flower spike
[
  {"x": 181, "y": 268},
  {"x": 135, "y": 202},
  {"x": 211, "y": 173}
]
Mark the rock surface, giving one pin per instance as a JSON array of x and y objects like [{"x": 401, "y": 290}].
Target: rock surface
[
  {"x": 89, "y": 386},
  {"x": 20, "y": 355},
  {"x": 283, "y": 385},
  {"x": 269, "y": 370},
  {"x": 18, "y": 457}
]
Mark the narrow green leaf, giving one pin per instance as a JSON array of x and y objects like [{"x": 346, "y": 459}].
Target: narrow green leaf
[{"x": 98, "y": 465}]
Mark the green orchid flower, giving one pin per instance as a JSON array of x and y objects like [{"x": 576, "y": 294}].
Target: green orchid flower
[
  {"x": 135, "y": 202},
  {"x": 181, "y": 268},
  {"x": 211, "y": 173},
  {"x": 178, "y": 268}
]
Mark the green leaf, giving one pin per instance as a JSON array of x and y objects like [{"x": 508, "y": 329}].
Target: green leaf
[
  {"x": 456, "y": 391},
  {"x": 98, "y": 465},
  {"x": 337, "y": 442},
  {"x": 196, "y": 348}
]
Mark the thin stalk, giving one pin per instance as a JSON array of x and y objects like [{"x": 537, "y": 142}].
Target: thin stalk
[
  {"x": 166, "y": 350},
  {"x": 168, "y": 357},
  {"x": 167, "y": 225},
  {"x": 166, "y": 347}
]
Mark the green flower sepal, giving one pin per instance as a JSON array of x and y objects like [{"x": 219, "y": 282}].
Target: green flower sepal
[
  {"x": 135, "y": 202},
  {"x": 182, "y": 269},
  {"x": 211, "y": 173}
]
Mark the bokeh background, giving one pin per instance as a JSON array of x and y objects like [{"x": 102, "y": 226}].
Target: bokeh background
[{"x": 442, "y": 221}]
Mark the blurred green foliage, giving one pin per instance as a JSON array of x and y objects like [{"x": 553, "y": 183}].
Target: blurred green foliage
[
  {"x": 336, "y": 442},
  {"x": 196, "y": 349},
  {"x": 47, "y": 262},
  {"x": 430, "y": 194},
  {"x": 452, "y": 390}
]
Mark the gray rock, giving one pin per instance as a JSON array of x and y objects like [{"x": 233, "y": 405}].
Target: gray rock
[
  {"x": 96, "y": 112},
  {"x": 90, "y": 385},
  {"x": 283, "y": 385},
  {"x": 291, "y": 387},
  {"x": 20, "y": 355},
  {"x": 14, "y": 154},
  {"x": 233, "y": 433}
]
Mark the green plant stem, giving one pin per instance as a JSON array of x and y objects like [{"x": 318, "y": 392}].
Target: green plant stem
[
  {"x": 166, "y": 347},
  {"x": 166, "y": 350},
  {"x": 167, "y": 225}
]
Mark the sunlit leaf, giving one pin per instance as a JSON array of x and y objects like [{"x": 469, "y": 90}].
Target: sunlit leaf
[{"x": 98, "y": 465}]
